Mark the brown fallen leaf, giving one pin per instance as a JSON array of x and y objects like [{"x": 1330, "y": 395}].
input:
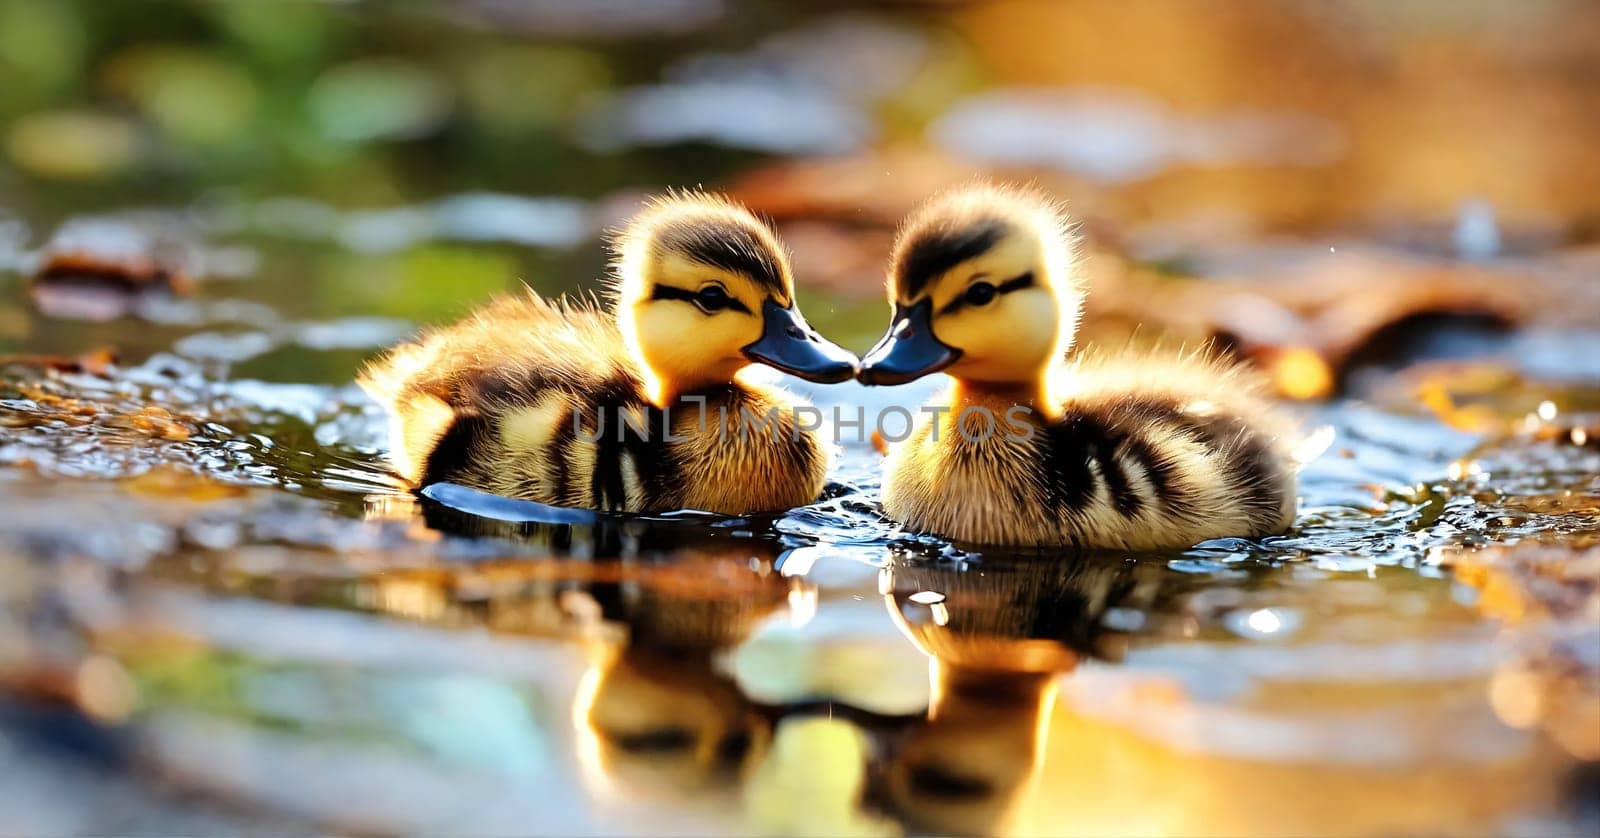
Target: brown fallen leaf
[
  {"x": 96, "y": 362},
  {"x": 1337, "y": 309},
  {"x": 93, "y": 286},
  {"x": 1485, "y": 396}
]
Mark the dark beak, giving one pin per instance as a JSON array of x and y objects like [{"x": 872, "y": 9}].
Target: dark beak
[
  {"x": 788, "y": 344},
  {"x": 909, "y": 351}
]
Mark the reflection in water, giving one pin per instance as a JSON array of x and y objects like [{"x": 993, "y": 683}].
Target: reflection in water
[
  {"x": 657, "y": 718},
  {"x": 965, "y": 769},
  {"x": 1241, "y": 699},
  {"x": 997, "y": 638},
  {"x": 457, "y": 510},
  {"x": 653, "y": 715}
]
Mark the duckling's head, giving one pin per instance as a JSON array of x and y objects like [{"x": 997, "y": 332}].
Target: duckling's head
[
  {"x": 704, "y": 289},
  {"x": 983, "y": 284}
]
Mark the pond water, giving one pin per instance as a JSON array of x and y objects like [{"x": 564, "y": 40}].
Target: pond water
[{"x": 220, "y": 612}]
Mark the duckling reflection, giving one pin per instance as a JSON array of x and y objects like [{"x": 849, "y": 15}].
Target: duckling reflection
[
  {"x": 653, "y": 714},
  {"x": 998, "y": 637},
  {"x": 459, "y": 511}
]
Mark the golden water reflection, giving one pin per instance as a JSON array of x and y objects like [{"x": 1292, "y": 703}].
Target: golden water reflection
[
  {"x": 654, "y": 716},
  {"x": 1358, "y": 724},
  {"x": 1058, "y": 695}
]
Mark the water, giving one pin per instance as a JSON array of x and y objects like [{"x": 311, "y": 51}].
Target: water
[
  {"x": 220, "y": 612},
  {"x": 222, "y": 577}
]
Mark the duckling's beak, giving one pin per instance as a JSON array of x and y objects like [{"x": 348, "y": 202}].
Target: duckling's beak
[
  {"x": 788, "y": 344},
  {"x": 909, "y": 351}
]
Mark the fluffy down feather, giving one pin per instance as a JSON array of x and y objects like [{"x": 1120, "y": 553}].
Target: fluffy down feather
[
  {"x": 531, "y": 398},
  {"x": 1140, "y": 451}
]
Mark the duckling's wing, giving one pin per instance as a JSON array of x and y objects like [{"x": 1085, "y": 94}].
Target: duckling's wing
[
  {"x": 506, "y": 355},
  {"x": 1211, "y": 435},
  {"x": 1201, "y": 377}
]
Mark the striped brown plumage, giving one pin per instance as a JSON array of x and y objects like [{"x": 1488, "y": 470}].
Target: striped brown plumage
[{"x": 1142, "y": 452}]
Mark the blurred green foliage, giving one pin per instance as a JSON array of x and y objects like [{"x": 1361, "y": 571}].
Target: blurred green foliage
[
  {"x": 365, "y": 105},
  {"x": 107, "y": 105}
]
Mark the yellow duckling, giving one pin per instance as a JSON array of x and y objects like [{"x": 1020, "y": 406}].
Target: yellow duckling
[
  {"x": 638, "y": 410},
  {"x": 1029, "y": 448}
]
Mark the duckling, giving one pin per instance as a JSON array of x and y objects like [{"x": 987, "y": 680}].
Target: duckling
[
  {"x": 1029, "y": 448},
  {"x": 637, "y": 410}
]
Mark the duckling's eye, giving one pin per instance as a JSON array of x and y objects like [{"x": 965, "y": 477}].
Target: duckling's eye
[
  {"x": 979, "y": 294},
  {"x": 713, "y": 298}
]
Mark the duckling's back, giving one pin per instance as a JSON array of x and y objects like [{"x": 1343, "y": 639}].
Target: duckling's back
[
  {"x": 1203, "y": 451},
  {"x": 513, "y": 369},
  {"x": 1146, "y": 452}
]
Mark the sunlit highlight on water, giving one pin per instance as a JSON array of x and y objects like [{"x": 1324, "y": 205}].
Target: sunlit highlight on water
[
  {"x": 586, "y": 745},
  {"x": 802, "y": 605},
  {"x": 1264, "y": 621}
]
